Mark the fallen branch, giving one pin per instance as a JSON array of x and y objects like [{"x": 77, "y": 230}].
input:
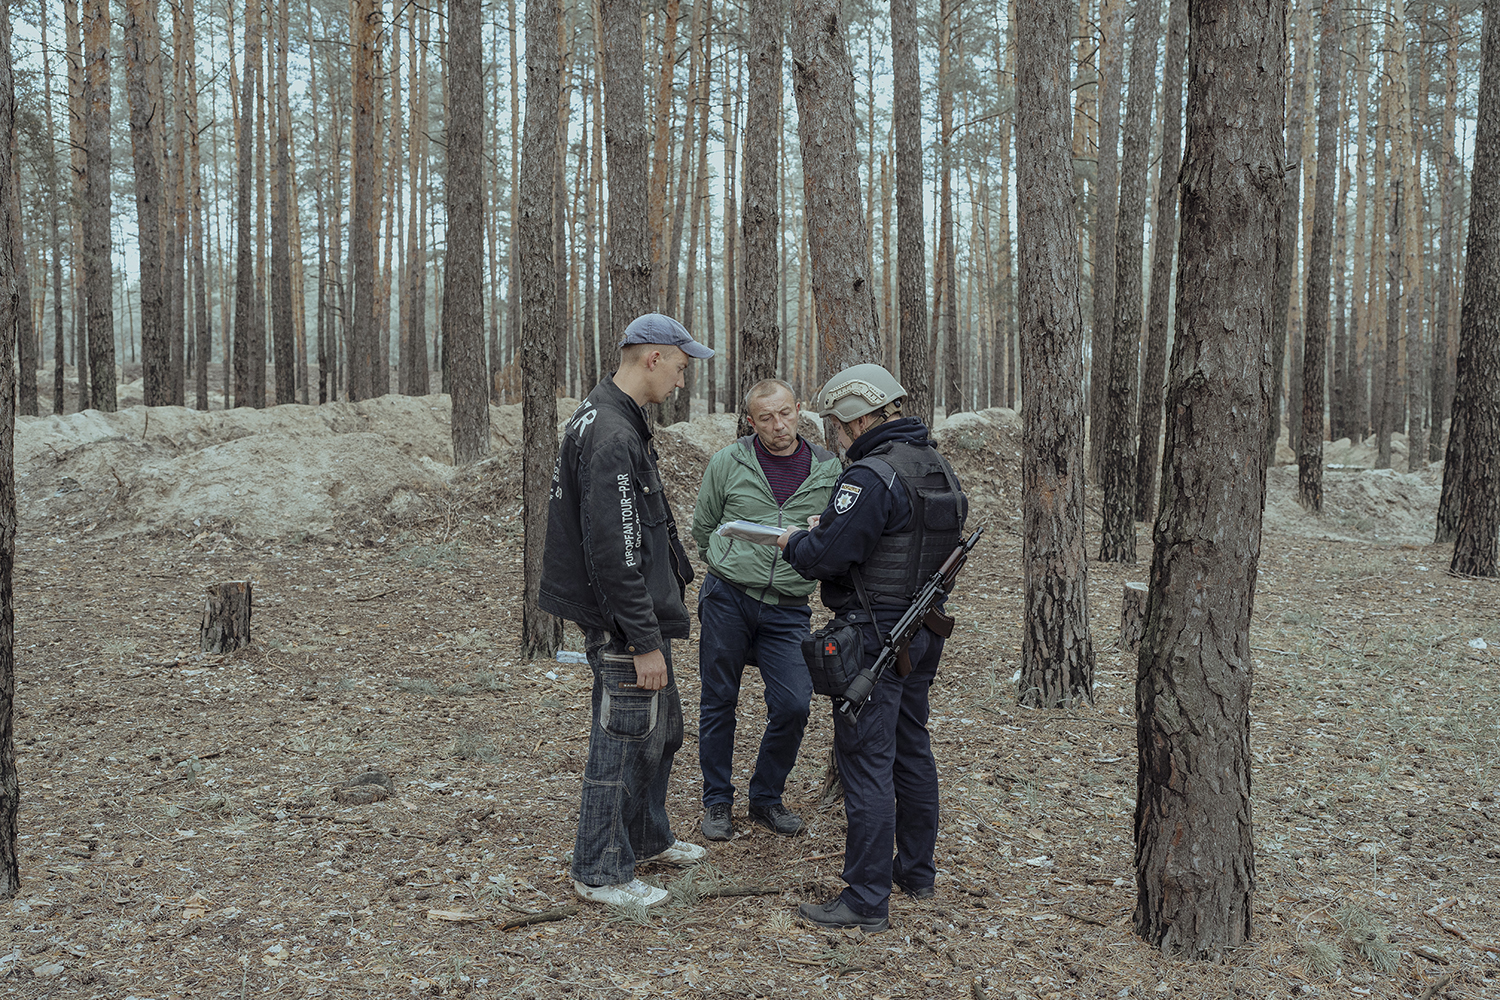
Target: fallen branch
[
  {"x": 1437, "y": 987},
  {"x": 1084, "y": 917},
  {"x": 526, "y": 919},
  {"x": 743, "y": 890}
]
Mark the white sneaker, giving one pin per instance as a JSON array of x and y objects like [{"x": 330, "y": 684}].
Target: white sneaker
[
  {"x": 632, "y": 893},
  {"x": 680, "y": 853}
]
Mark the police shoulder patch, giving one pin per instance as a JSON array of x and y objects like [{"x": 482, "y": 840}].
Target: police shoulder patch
[{"x": 845, "y": 497}]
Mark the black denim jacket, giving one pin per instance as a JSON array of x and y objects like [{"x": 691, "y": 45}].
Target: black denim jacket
[{"x": 613, "y": 559}]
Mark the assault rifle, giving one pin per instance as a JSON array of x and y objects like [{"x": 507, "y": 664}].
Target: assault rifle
[{"x": 923, "y": 611}]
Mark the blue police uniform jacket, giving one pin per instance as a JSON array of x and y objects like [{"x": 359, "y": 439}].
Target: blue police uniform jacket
[{"x": 864, "y": 507}]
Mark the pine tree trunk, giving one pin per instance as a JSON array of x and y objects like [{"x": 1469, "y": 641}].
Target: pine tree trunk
[
  {"x": 683, "y": 185},
  {"x": 97, "y": 274},
  {"x": 1057, "y": 654},
  {"x": 945, "y": 310},
  {"x": 661, "y": 157},
  {"x": 246, "y": 321},
  {"x": 463, "y": 273},
  {"x": 911, "y": 239},
  {"x": 1477, "y": 389},
  {"x": 362, "y": 339},
  {"x": 147, "y": 111},
  {"x": 1163, "y": 249},
  {"x": 632, "y": 290},
  {"x": 10, "y": 788},
  {"x": 1442, "y": 386},
  {"x": 732, "y": 276},
  {"x": 198, "y": 246},
  {"x": 281, "y": 259},
  {"x": 78, "y": 117},
  {"x": 24, "y": 336},
  {"x": 1286, "y": 254},
  {"x": 1389, "y": 372},
  {"x": 541, "y": 633},
  {"x": 1102, "y": 239},
  {"x": 59, "y": 292},
  {"x": 176, "y": 284},
  {"x": 759, "y": 335},
  {"x": 1416, "y": 276},
  {"x": 1195, "y": 854},
  {"x": 1338, "y": 395},
  {"x": 1320, "y": 252},
  {"x": 823, "y": 81},
  {"x": 1118, "y": 459}
]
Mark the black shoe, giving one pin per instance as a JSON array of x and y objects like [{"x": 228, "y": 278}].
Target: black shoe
[
  {"x": 835, "y": 915},
  {"x": 778, "y": 818},
  {"x": 717, "y": 823},
  {"x": 917, "y": 891}
]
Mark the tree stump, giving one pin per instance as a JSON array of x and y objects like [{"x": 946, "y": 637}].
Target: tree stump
[
  {"x": 1133, "y": 617},
  {"x": 226, "y": 620}
]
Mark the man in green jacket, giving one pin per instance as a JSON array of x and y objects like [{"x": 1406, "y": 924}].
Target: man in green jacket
[{"x": 753, "y": 607}]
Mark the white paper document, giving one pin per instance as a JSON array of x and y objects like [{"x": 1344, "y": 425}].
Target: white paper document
[{"x": 750, "y": 531}]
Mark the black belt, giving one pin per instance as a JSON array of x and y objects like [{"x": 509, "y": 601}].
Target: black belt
[{"x": 784, "y": 600}]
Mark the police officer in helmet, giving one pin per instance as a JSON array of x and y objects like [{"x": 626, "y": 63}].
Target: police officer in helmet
[{"x": 897, "y": 512}]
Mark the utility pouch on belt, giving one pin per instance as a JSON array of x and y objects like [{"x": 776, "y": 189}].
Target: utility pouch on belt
[{"x": 834, "y": 655}]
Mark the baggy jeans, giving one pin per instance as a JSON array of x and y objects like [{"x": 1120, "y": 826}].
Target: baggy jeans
[
  {"x": 635, "y": 734},
  {"x": 890, "y": 782},
  {"x": 737, "y": 629}
]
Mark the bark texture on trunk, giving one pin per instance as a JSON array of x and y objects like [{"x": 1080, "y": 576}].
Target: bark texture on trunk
[
  {"x": 911, "y": 240},
  {"x": 147, "y": 113},
  {"x": 198, "y": 248},
  {"x": 25, "y": 333},
  {"x": 838, "y": 242},
  {"x": 1163, "y": 251},
  {"x": 247, "y": 322},
  {"x": 283, "y": 345},
  {"x": 226, "y": 617},
  {"x": 1106, "y": 204},
  {"x": 10, "y": 789},
  {"x": 1118, "y": 459},
  {"x": 363, "y": 220},
  {"x": 1442, "y": 386},
  {"x": 1478, "y": 384},
  {"x": 463, "y": 271},
  {"x": 626, "y": 131},
  {"x": 760, "y": 336},
  {"x": 98, "y": 284},
  {"x": 541, "y": 633},
  {"x": 1057, "y": 655},
  {"x": 1194, "y": 844},
  {"x": 59, "y": 292},
  {"x": 1319, "y": 261},
  {"x": 1286, "y": 253}
]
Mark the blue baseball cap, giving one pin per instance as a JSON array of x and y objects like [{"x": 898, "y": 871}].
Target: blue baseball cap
[{"x": 654, "y": 328}]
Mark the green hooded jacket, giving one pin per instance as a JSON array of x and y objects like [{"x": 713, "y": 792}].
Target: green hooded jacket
[{"x": 735, "y": 488}]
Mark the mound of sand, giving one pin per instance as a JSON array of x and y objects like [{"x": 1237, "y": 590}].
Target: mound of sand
[
  {"x": 281, "y": 471},
  {"x": 296, "y": 470}
]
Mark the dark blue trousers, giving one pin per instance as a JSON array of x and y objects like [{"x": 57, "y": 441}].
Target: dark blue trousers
[
  {"x": 635, "y": 734},
  {"x": 737, "y": 629},
  {"x": 890, "y": 783}
]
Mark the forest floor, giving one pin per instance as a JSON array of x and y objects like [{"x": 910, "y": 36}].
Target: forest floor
[{"x": 179, "y": 837}]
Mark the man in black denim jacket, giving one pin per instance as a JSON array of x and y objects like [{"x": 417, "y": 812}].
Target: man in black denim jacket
[{"x": 613, "y": 564}]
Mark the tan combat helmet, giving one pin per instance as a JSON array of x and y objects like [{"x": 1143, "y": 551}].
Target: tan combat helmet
[{"x": 859, "y": 390}]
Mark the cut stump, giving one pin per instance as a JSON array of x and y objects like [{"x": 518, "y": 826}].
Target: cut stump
[
  {"x": 226, "y": 620},
  {"x": 1133, "y": 617}
]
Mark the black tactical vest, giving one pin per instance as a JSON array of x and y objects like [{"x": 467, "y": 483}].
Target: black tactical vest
[{"x": 903, "y": 560}]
